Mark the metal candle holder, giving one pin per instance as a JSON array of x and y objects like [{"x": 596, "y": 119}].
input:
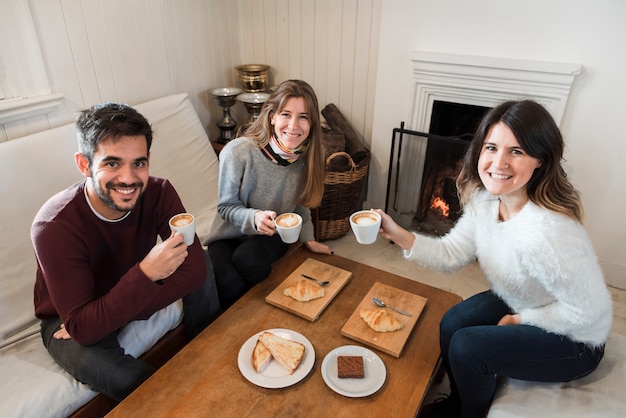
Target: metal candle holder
[
  {"x": 253, "y": 103},
  {"x": 225, "y": 97}
]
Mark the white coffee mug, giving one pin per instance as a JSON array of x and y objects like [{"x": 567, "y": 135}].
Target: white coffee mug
[
  {"x": 185, "y": 224},
  {"x": 365, "y": 225},
  {"x": 288, "y": 226}
]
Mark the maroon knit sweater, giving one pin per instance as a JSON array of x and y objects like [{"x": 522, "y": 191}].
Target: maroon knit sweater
[{"x": 88, "y": 271}]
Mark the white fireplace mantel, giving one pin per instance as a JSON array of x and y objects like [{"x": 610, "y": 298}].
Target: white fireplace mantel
[{"x": 487, "y": 81}]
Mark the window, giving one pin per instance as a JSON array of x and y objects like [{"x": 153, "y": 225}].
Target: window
[{"x": 24, "y": 87}]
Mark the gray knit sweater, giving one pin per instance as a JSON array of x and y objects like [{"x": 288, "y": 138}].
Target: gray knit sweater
[{"x": 249, "y": 182}]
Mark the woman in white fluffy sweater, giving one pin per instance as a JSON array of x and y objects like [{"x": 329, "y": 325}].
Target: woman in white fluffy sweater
[{"x": 548, "y": 313}]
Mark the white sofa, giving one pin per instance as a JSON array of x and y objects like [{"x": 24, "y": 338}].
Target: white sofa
[
  {"x": 32, "y": 169},
  {"x": 600, "y": 394}
]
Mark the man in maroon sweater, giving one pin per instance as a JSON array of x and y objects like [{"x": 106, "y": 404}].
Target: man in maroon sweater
[{"x": 100, "y": 264}]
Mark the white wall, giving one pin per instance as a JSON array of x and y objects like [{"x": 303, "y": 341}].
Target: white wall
[
  {"x": 136, "y": 50},
  {"x": 575, "y": 31},
  {"x": 332, "y": 44}
]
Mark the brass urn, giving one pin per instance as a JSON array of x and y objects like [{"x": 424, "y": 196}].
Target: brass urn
[{"x": 254, "y": 77}]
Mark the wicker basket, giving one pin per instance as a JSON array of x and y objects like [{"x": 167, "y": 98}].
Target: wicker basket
[{"x": 342, "y": 194}]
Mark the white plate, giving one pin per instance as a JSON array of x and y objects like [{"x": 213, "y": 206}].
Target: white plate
[
  {"x": 274, "y": 375},
  {"x": 375, "y": 372}
]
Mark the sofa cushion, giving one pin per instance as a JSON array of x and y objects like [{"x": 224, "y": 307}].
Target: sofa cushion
[
  {"x": 32, "y": 169},
  {"x": 181, "y": 152}
]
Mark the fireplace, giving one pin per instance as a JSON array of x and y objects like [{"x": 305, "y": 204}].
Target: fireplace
[
  {"x": 462, "y": 88},
  {"x": 438, "y": 206}
]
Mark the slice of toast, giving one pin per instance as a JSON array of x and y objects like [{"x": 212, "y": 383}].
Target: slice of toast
[
  {"x": 287, "y": 353},
  {"x": 261, "y": 356}
]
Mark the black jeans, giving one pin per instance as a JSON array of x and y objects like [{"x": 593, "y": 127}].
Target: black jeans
[
  {"x": 240, "y": 263},
  {"x": 475, "y": 351},
  {"x": 105, "y": 367}
]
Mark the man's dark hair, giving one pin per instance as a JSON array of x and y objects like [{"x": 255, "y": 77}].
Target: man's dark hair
[{"x": 109, "y": 121}]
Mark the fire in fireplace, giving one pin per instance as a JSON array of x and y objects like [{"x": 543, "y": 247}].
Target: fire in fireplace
[{"x": 453, "y": 125}]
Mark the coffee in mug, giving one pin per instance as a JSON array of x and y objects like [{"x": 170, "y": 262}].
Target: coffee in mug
[
  {"x": 288, "y": 226},
  {"x": 365, "y": 218},
  {"x": 181, "y": 219},
  {"x": 185, "y": 224},
  {"x": 365, "y": 225},
  {"x": 288, "y": 220}
]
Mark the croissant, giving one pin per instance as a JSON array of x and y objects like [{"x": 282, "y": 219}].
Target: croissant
[
  {"x": 380, "y": 320},
  {"x": 304, "y": 291}
]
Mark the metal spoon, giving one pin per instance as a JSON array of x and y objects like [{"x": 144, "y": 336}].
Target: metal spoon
[
  {"x": 382, "y": 304},
  {"x": 321, "y": 283}
]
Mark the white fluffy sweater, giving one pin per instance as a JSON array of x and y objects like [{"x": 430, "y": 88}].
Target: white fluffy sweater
[{"x": 541, "y": 263}]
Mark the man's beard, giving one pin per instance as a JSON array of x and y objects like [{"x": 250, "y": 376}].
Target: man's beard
[{"x": 105, "y": 195}]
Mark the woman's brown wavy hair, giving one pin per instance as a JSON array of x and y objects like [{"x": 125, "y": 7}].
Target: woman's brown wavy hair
[
  {"x": 261, "y": 130},
  {"x": 539, "y": 136}
]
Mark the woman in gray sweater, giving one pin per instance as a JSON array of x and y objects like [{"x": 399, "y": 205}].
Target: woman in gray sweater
[{"x": 276, "y": 167}]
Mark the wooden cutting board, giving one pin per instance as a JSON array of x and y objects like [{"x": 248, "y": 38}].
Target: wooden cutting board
[
  {"x": 388, "y": 342},
  {"x": 312, "y": 309}
]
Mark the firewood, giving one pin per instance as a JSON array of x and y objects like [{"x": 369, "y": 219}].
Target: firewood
[{"x": 338, "y": 122}]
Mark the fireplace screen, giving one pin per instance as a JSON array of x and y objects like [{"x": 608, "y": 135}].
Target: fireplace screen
[{"x": 438, "y": 208}]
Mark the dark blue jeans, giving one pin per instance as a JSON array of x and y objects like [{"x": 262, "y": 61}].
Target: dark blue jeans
[
  {"x": 105, "y": 367},
  {"x": 475, "y": 351},
  {"x": 240, "y": 263}
]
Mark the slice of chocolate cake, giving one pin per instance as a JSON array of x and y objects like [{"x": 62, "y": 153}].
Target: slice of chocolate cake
[{"x": 350, "y": 367}]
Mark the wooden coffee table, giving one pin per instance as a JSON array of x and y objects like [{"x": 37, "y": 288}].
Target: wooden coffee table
[{"x": 203, "y": 379}]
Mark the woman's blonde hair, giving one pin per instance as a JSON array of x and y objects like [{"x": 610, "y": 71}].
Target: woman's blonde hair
[
  {"x": 539, "y": 136},
  {"x": 261, "y": 130}
]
